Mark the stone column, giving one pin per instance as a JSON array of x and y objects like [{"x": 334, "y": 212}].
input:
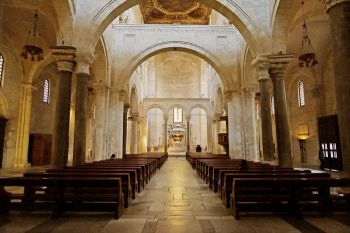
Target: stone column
[
  {"x": 278, "y": 68},
  {"x": 339, "y": 17},
  {"x": 65, "y": 64},
  {"x": 235, "y": 128},
  {"x": 166, "y": 117},
  {"x": 143, "y": 134},
  {"x": 262, "y": 67},
  {"x": 81, "y": 105},
  {"x": 210, "y": 134},
  {"x": 125, "y": 126},
  {"x": 251, "y": 143},
  {"x": 101, "y": 91},
  {"x": 133, "y": 139},
  {"x": 215, "y": 136},
  {"x": 188, "y": 119}
]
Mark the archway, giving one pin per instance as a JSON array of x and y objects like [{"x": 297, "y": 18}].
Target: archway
[{"x": 232, "y": 11}]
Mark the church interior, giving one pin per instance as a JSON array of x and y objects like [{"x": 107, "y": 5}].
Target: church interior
[{"x": 151, "y": 116}]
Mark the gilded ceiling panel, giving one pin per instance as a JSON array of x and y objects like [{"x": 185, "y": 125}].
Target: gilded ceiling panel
[{"x": 174, "y": 12}]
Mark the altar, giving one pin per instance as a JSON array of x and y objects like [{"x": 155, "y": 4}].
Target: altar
[{"x": 177, "y": 138}]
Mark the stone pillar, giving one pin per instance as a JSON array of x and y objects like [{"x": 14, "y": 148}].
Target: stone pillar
[
  {"x": 215, "y": 136},
  {"x": 251, "y": 142},
  {"x": 278, "y": 68},
  {"x": 65, "y": 63},
  {"x": 339, "y": 17},
  {"x": 210, "y": 134},
  {"x": 133, "y": 139},
  {"x": 234, "y": 113},
  {"x": 125, "y": 126},
  {"x": 101, "y": 114},
  {"x": 143, "y": 134},
  {"x": 188, "y": 147},
  {"x": 166, "y": 117},
  {"x": 262, "y": 67},
  {"x": 81, "y": 105}
]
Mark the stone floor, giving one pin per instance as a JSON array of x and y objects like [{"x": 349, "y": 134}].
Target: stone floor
[{"x": 175, "y": 201}]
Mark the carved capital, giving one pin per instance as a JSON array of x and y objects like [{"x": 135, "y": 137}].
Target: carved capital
[
  {"x": 64, "y": 56},
  {"x": 262, "y": 66},
  {"x": 83, "y": 63},
  {"x": 331, "y": 3},
  {"x": 122, "y": 95},
  {"x": 134, "y": 116},
  {"x": 279, "y": 65},
  {"x": 228, "y": 95},
  {"x": 165, "y": 117}
]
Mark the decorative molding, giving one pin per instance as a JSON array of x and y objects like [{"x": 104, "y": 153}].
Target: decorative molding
[
  {"x": 262, "y": 66},
  {"x": 176, "y": 29},
  {"x": 64, "y": 56},
  {"x": 331, "y": 3},
  {"x": 84, "y": 62}
]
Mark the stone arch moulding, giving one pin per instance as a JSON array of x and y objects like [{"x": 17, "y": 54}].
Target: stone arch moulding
[
  {"x": 153, "y": 106},
  {"x": 200, "y": 106},
  {"x": 228, "y": 8},
  {"x": 178, "y": 46}
]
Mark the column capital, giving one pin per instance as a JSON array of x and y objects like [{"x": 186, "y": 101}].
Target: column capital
[
  {"x": 122, "y": 95},
  {"x": 84, "y": 62},
  {"x": 134, "y": 116},
  {"x": 228, "y": 95},
  {"x": 188, "y": 118},
  {"x": 279, "y": 64},
  {"x": 331, "y": 3},
  {"x": 262, "y": 66},
  {"x": 64, "y": 56}
]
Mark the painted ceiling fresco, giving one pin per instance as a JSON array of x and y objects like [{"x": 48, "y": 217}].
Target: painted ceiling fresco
[{"x": 174, "y": 12}]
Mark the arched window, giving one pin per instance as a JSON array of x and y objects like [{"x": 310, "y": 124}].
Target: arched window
[
  {"x": 177, "y": 115},
  {"x": 46, "y": 91},
  {"x": 272, "y": 105},
  {"x": 2, "y": 62},
  {"x": 301, "y": 94}
]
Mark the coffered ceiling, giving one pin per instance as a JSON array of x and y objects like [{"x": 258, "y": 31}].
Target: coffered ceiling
[{"x": 174, "y": 12}]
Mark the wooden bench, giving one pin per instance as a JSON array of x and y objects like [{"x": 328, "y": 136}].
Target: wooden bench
[
  {"x": 293, "y": 195},
  {"x": 125, "y": 178},
  {"x": 63, "y": 194},
  {"x": 230, "y": 177}
]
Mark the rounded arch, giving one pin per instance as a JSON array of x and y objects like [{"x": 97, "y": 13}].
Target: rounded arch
[
  {"x": 38, "y": 68},
  {"x": 228, "y": 8},
  {"x": 153, "y": 106},
  {"x": 177, "y": 46},
  {"x": 200, "y": 106}
]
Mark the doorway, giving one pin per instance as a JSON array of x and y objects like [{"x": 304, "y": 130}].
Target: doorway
[{"x": 330, "y": 151}]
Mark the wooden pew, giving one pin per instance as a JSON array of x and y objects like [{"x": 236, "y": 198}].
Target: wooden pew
[
  {"x": 230, "y": 177},
  {"x": 139, "y": 176},
  {"x": 64, "y": 194},
  {"x": 293, "y": 195},
  {"x": 125, "y": 178}
]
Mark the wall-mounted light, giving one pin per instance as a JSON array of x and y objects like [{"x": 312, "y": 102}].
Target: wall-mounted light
[{"x": 303, "y": 135}]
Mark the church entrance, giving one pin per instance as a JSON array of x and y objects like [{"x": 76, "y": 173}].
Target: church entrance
[{"x": 330, "y": 151}]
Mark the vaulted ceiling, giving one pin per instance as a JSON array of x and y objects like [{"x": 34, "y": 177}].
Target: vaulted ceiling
[{"x": 174, "y": 12}]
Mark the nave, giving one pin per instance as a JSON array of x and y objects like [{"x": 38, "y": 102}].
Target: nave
[{"x": 175, "y": 200}]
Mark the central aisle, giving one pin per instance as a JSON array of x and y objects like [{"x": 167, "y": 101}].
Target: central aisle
[{"x": 178, "y": 201}]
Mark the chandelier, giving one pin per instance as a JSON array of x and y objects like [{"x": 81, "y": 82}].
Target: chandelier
[
  {"x": 307, "y": 56},
  {"x": 32, "y": 47}
]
